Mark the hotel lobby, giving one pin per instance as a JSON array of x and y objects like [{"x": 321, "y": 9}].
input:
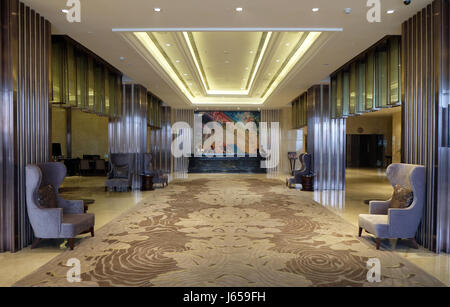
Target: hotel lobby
[{"x": 225, "y": 144}]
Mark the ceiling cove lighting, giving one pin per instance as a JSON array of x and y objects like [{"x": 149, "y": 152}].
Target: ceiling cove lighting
[
  {"x": 228, "y": 92},
  {"x": 146, "y": 44},
  {"x": 146, "y": 41},
  {"x": 308, "y": 42}
]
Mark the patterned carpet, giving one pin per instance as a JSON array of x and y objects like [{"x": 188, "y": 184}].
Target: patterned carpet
[{"x": 236, "y": 230}]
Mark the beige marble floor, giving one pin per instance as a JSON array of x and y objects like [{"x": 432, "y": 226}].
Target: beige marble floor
[{"x": 361, "y": 185}]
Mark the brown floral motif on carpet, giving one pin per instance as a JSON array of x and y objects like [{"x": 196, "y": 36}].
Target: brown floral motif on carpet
[{"x": 235, "y": 230}]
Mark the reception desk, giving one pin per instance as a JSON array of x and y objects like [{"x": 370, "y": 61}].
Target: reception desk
[{"x": 226, "y": 164}]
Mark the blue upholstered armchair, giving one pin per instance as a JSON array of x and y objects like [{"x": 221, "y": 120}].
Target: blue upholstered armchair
[
  {"x": 306, "y": 160},
  {"x": 392, "y": 223},
  {"x": 67, "y": 219},
  {"x": 120, "y": 176},
  {"x": 305, "y": 169}
]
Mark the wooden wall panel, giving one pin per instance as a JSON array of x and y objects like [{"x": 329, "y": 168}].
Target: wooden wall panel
[
  {"x": 425, "y": 75},
  {"x": 24, "y": 113}
]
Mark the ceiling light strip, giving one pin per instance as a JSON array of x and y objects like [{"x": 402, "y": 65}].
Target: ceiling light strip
[
  {"x": 308, "y": 42},
  {"x": 227, "y": 29},
  {"x": 166, "y": 57},
  {"x": 149, "y": 44},
  {"x": 260, "y": 57},
  {"x": 189, "y": 38},
  {"x": 196, "y": 57},
  {"x": 286, "y": 61}
]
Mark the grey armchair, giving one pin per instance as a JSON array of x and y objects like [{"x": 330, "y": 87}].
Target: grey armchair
[
  {"x": 305, "y": 169},
  {"x": 158, "y": 176},
  {"x": 392, "y": 223},
  {"x": 120, "y": 176},
  {"x": 67, "y": 220}
]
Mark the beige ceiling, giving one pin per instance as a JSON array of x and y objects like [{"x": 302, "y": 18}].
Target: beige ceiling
[
  {"x": 100, "y": 17},
  {"x": 225, "y": 68}
]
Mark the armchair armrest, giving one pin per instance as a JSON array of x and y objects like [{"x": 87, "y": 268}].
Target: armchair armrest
[
  {"x": 379, "y": 207},
  {"x": 403, "y": 222},
  {"x": 46, "y": 222},
  {"x": 71, "y": 206}
]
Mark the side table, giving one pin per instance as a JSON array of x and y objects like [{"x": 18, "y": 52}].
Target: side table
[
  {"x": 146, "y": 182},
  {"x": 308, "y": 183}
]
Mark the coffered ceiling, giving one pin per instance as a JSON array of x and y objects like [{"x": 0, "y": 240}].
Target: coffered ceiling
[
  {"x": 224, "y": 68},
  {"x": 218, "y": 32}
]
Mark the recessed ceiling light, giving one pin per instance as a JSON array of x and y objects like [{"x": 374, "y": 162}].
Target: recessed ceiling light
[
  {"x": 168, "y": 45},
  {"x": 316, "y": 9},
  {"x": 65, "y": 11},
  {"x": 157, "y": 9},
  {"x": 390, "y": 11},
  {"x": 251, "y": 51},
  {"x": 277, "y": 60},
  {"x": 288, "y": 44},
  {"x": 122, "y": 58},
  {"x": 246, "y": 68},
  {"x": 178, "y": 61},
  {"x": 185, "y": 74},
  {"x": 348, "y": 10},
  {"x": 239, "y": 9},
  {"x": 227, "y": 62}
]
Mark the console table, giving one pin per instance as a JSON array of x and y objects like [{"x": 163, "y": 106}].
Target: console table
[{"x": 226, "y": 164}]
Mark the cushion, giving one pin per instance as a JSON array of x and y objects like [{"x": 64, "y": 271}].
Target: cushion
[
  {"x": 47, "y": 197},
  {"x": 402, "y": 197},
  {"x": 376, "y": 224},
  {"x": 74, "y": 224},
  {"x": 121, "y": 171}
]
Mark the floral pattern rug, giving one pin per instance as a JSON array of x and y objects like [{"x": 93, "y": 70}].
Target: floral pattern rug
[{"x": 236, "y": 230}]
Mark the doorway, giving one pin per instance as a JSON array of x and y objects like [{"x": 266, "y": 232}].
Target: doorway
[{"x": 365, "y": 150}]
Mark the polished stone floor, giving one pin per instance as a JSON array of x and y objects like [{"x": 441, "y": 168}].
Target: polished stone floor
[{"x": 362, "y": 184}]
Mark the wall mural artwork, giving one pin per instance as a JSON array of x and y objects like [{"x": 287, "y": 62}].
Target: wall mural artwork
[{"x": 246, "y": 122}]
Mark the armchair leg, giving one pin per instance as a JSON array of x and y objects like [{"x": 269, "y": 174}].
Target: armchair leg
[
  {"x": 414, "y": 242},
  {"x": 35, "y": 242},
  {"x": 92, "y": 231},
  {"x": 378, "y": 242},
  {"x": 360, "y": 231},
  {"x": 71, "y": 243}
]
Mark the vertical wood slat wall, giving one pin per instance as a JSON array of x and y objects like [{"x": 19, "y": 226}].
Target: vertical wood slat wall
[
  {"x": 425, "y": 39},
  {"x": 25, "y": 45}
]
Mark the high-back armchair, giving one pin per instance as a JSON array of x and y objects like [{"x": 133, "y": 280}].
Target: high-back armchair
[
  {"x": 120, "y": 176},
  {"x": 393, "y": 223},
  {"x": 305, "y": 169},
  {"x": 67, "y": 219}
]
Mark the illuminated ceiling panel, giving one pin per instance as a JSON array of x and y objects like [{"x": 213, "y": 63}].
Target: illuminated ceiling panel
[{"x": 224, "y": 67}]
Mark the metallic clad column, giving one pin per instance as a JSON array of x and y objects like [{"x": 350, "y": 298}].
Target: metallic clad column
[
  {"x": 128, "y": 133},
  {"x": 181, "y": 165},
  {"x": 272, "y": 116},
  {"x": 326, "y": 140},
  {"x": 24, "y": 114},
  {"x": 425, "y": 41}
]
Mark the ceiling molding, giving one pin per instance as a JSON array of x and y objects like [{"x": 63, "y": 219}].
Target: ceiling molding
[{"x": 227, "y": 29}]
